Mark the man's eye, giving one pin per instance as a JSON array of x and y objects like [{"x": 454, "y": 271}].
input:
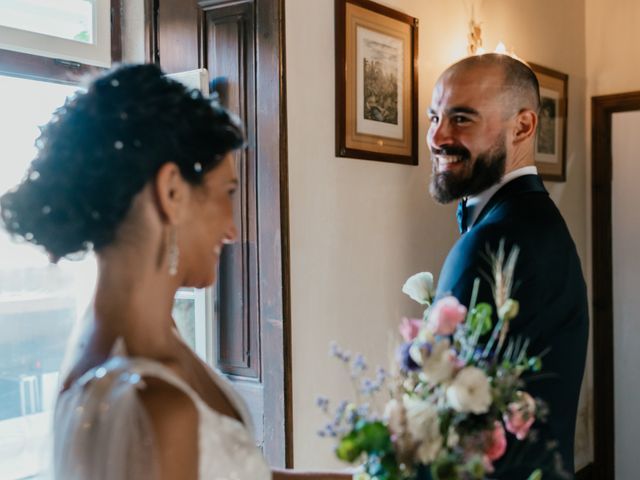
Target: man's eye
[{"x": 459, "y": 119}]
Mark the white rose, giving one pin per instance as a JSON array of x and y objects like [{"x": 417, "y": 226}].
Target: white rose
[
  {"x": 438, "y": 366},
  {"x": 420, "y": 287},
  {"x": 470, "y": 391},
  {"x": 424, "y": 427},
  {"x": 393, "y": 413}
]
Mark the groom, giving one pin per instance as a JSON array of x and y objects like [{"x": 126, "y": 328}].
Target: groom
[{"x": 483, "y": 119}]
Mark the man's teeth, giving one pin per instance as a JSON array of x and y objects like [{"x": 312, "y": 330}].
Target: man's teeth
[{"x": 449, "y": 159}]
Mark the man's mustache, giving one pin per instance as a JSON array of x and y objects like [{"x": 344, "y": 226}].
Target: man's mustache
[{"x": 453, "y": 151}]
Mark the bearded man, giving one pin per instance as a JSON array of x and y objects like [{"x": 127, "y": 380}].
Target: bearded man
[{"x": 483, "y": 119}]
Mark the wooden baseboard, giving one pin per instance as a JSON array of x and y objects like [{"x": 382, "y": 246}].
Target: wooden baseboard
[{"x": 585, "y": 473}]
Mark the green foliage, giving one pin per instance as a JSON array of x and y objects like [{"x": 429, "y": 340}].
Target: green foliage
[
  {"x": 536, "y": 475},
  {"x": 82, "y": 36},
  {"x": 366, "y": 437},
  {"x": 480, "y": 317}
]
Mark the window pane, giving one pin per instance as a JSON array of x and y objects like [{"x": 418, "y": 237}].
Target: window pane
[
  {"x": 39, "y": 303},
  {"x": 69, "y": 19},
  {"x": 189, "y": 312}
]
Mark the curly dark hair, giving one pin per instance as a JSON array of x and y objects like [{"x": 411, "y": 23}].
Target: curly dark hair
[{"x": 103, "y": 146}]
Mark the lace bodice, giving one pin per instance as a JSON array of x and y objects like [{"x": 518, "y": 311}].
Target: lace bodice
[{"x": 101, "y": 431}]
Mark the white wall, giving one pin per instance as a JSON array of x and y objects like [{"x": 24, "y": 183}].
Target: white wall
[{"x": 359, "y": 228}]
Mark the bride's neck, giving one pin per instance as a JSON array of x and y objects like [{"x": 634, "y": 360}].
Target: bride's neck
[{"x": 134, "y": 300}]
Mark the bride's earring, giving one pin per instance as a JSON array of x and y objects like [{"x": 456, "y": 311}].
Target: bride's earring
[{"x": 173, "y": 252}]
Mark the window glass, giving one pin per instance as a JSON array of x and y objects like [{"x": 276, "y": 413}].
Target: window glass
[
  {"x": 69, "y": 19},
  {"x": 39, "y": 302}
]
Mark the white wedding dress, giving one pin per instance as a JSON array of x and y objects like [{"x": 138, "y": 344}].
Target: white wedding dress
[{"x": 101, "y": 430}]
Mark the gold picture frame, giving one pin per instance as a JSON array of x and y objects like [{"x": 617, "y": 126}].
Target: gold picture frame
[
  {"x": 551, "y": 137},
  {"x": 376, "y": 83}
]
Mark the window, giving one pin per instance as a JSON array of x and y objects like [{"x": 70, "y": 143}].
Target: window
[
  {"x": 39, "y": 303},
  {"x": 44, "y": 47},
  {"x": 71, "y": 30}
]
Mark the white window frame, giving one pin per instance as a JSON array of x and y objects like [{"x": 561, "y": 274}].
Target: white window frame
[{"x": 96, "y": 54}]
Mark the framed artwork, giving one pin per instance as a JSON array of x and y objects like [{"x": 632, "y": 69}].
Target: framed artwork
[
  {"x": 376, "y": 83},
  {"x": 551, "y": 138}
]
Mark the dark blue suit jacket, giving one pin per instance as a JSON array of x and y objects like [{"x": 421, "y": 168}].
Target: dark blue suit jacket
[{"x": 550, "y": 287}]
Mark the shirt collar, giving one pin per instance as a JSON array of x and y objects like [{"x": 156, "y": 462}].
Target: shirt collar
[{"x": 478, "y": 202}]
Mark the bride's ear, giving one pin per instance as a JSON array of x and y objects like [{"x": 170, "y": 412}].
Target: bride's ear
[{"x": 171, "y": 192}]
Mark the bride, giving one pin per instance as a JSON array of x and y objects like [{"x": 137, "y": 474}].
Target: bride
[{"x": 141, "y": 170}]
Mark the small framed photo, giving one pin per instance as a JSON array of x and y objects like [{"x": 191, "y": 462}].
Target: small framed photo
[
  {"x": 551, "y": 138},
  {"x": 376, "y": 83}
]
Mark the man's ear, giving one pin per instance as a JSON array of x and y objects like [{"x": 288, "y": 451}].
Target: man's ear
[
  {"x": 526, "y": 123},
  {"x": 171, "y": 192}
]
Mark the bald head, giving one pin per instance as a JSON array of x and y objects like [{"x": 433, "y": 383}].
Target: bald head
[{"x": 519, "y": 85}]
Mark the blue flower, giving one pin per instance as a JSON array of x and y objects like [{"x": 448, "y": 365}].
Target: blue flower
[{"x": 404, "y": 359}]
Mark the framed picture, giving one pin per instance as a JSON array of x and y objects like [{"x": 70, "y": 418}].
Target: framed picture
[
  {"x": 551, "y": 138},
  {"x": 376, "y": 83}
]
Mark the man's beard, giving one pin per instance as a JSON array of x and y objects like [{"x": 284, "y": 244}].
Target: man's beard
[{"x": 487, "y": 170}]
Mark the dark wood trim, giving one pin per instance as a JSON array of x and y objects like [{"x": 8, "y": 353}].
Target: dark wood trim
[
  {"x": 116, "y": 31},
  {"x": 284, "y": 215},
  {"x": 585, "y": 473},
  {"x": 342, "y": 150},
  {"x": 602, "y": 109},
  {"x": 35, "y": 67},
  {"x": 562, "y": 177},
  {"x": 151, "y": 31},
  {"x": 274, "y": 244}
]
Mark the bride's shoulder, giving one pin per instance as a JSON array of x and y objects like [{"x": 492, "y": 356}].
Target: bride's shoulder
[{"x": 124, "y": 405}]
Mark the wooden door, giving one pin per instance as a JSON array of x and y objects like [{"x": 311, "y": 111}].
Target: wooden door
[{"x": 240, "y": 44}]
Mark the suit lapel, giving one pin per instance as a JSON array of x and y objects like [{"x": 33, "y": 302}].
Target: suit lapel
[{"x": 517, "y": 186}]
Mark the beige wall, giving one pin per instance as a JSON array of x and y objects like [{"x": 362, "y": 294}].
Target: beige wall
[
  {"x": 613, "y": 57},
  {"x": 359, "y": 228}
]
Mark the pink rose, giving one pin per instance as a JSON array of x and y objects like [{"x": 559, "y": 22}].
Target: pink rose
[
  {"x": 497, "y": 442},
  {"x": 409, "y": 328},
  {"x": 446, "y": 315},
  {"x": 520, "y": 415}
]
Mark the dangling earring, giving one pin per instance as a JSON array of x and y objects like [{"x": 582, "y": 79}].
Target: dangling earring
[{"x": 173, "y": 252}]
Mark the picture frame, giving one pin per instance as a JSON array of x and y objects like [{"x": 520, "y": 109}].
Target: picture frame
[
  {"x": 551, "y": 136},
  {"x": 376, "y": 82}
]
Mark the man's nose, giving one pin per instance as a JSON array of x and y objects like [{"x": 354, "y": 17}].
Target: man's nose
[{"x": 440, "y": 134}]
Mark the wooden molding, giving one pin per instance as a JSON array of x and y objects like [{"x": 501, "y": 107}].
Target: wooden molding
[{"x": 603, "y": 107}]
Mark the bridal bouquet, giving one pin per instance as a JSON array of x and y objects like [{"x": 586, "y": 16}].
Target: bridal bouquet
[{"x": 452, "y": 398}]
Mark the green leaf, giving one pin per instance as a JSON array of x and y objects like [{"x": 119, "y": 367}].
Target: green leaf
[
  {"x": 445, "y": 468},
  {"x": 374, "y": 437},
  {"x": 481, "y": 316},
  {"x": 535, "y": 364},
  {"x": 366, "y": 437},
  {"x": 536, "y": 475},
  {"x": 348, "y": 449}
]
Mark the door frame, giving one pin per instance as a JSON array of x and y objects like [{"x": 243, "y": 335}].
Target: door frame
[{"x": 602, "y": 109}]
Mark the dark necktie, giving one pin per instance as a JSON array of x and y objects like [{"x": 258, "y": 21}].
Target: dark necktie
[{"x": 462, "y": 214}]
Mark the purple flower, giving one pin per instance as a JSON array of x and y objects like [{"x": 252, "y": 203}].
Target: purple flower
[
  {"x": 404, "y": 359},
  {"x": 322, "y": 403}
]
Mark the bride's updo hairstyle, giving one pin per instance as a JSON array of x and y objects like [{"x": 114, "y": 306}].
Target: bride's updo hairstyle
[{"x": 103, "y": 146}]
